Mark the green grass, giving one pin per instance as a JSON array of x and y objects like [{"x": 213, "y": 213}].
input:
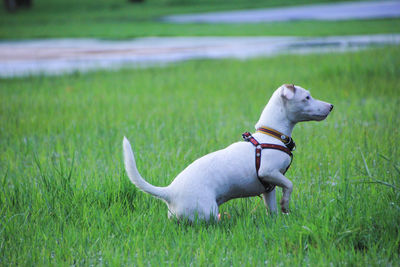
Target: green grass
[
  {"x": 120, "y": 19},
  {"x": 66, "y": 200}
]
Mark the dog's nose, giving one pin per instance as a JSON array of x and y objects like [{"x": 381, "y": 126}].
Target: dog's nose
[{"x": 331, "y": 107}]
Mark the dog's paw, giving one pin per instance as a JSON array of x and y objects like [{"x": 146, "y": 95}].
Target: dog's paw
[
  {"x": 286, "y": 212},
  {"x": 284, "y": 206}
]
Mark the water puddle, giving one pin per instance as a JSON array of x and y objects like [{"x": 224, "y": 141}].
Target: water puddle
[
  {"x": 59, "y": 56},
  {"x": 327, "y": 11}
]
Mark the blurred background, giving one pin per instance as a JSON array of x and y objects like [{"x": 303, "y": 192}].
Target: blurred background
[
  {"x": 118, "y": 19},
  {"x": 32, "y": 21}
]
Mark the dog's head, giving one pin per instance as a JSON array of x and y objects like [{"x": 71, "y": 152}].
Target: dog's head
[{"x": 301, "y": 106}]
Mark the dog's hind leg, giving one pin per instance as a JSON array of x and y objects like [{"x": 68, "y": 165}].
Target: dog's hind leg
[
  {"x": 212, "y": 212},
  {"x": 202, "y": 211}
]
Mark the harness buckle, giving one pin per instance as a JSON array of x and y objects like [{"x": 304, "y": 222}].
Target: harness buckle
[
  {"x": 246, "y": 136},
  {"x": 291, "y": 145}
]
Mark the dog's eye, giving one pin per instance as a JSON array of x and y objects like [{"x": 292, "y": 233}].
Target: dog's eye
[{"x": 308, "y": 97}]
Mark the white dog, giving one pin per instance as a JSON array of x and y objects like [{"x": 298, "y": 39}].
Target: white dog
[{"x": 231, "y": 172}]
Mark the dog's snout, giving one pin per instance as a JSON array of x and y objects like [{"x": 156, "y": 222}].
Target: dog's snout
[{"x": 331, "y": 107}]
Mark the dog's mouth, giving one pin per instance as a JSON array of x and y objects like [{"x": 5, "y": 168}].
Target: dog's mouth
[{"x": 320, "y": 117}]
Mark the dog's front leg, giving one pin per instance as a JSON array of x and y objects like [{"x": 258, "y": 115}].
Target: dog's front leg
[
  {"x": 270, "y": 201},
  {"x": 277, "y": 178}
]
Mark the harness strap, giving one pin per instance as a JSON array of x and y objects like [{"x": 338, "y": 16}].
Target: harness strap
[
  {"x": 278, "y": 147},
  {"x": 287, "y": 140},
  {"x": 259, "y": 147}
]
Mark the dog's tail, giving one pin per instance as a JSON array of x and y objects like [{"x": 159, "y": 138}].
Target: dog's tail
[{"x": 136, "y": 178}]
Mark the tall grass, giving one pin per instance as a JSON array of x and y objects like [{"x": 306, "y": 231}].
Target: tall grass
[{"x": 65, "y": 198}]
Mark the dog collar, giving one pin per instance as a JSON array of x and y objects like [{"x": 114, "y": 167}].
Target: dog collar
[{"x": 287, "y": 140}]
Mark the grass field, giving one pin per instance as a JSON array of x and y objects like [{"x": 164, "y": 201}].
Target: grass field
[
  {"x": 65, "y": 198},
  {"x": 118, "y": 19}
]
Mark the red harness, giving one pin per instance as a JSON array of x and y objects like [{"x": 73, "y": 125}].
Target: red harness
[{"x": 259, "y": 147}]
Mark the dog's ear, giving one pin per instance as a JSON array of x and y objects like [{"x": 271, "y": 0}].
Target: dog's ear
[{"x": 288, "y": 91}]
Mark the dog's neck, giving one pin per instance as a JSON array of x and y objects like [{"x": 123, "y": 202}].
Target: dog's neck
[{"x": 274, "y": 116}]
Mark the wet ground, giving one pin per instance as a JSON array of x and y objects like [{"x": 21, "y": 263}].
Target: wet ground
[
  {"x": 55, "y": 56},
  {"x": 331, "y": 11}
]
